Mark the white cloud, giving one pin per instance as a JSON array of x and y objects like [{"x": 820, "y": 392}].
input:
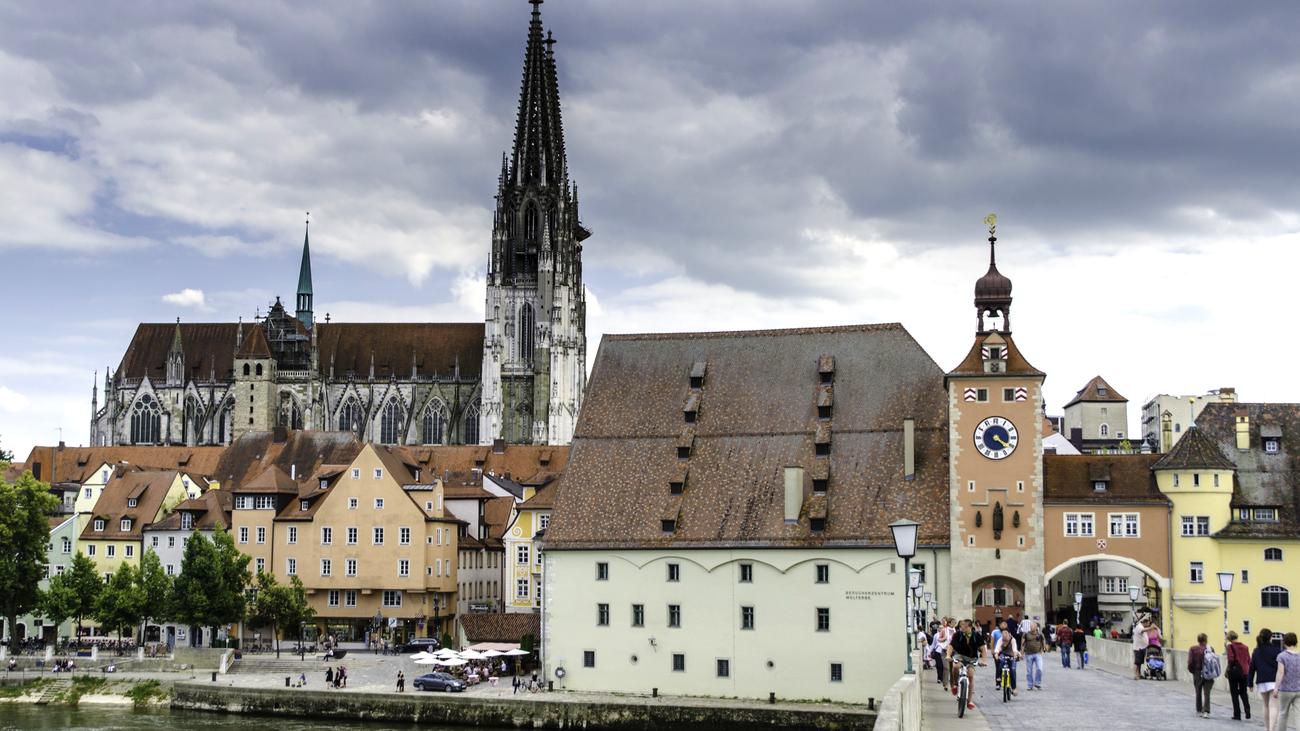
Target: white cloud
[
  {"x": 11, "y": 401},
  {"x": 187, "y": 297}
]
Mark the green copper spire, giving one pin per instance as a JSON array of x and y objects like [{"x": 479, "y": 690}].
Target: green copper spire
[{"x": 304, "y": 279}]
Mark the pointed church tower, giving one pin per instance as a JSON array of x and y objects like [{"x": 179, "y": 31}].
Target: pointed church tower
[
  {"x": 996, "y": 464},
  {"x": 176, "y": 358},
  {"x": 304, "y": 281},
  {"x": 535, "y": 341}
]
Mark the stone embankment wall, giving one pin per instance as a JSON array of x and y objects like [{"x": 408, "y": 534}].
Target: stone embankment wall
[
  {"x": 453, "y": 710},
  {"x": 900, "y": 710}
]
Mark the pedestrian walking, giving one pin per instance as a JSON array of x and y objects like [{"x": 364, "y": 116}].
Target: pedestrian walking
[
  {"x": 1081, "y": 647},
  {"x": 401, "y": 682},
  {"x": 1051, "y": 636},
  {"x": 1034, "y": 645},
  {"x": 939, "y": 648},
  {"x": 1263, "y": 674},
  {"x": 1204, "y": 666},
  {"x": 343, "y": 670},
  {"x": 329, "y": 676},
  {"x": 1141, "y": 641},
  {"x": 515, "y": 684},
  {"x": 1237, "y": 675},
  {"x": 1065, "y": 640},
  {"x": 1288, "y": 681}
]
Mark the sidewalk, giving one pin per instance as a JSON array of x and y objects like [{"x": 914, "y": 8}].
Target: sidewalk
[{"x": 939, "y": 707}]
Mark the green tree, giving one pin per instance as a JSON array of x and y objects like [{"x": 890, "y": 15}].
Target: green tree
[
  {"x": 74, "y": 593},
  {"x": 155, "y": 589},
  {"x": 121, "y": 602},
  {"x": 25, "y": 507},
  {"x": 232, "y": 570},
  {"x": 280, "y": 606},
  {"x": 209, "y": 591}
]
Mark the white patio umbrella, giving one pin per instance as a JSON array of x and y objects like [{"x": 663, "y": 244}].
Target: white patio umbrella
[
  {"x": 430, "y": 660},
  {"x": 472, "y": 655},
  {"x": 446, "y": 652},
  {"x": 492, "y": 653},
  {"x": 450, "y": 662},
  {"x": 422, "y": 655},
  {"x": 515, "y": 652}
]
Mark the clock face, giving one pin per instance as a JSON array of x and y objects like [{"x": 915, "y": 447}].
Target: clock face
[{"x": 996, "y": 437}]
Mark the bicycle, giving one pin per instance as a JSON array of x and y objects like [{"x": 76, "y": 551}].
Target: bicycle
[
  {"x": 1005, "y": 663},
  {"x": 963, "y": 686}
]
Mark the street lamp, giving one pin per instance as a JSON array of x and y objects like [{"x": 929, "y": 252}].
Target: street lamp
[
  {"x": 917, "y": 591},
  {"x": 905, "y": 545},
  {"x": 1133, "y": 593},
  {"x": 1225, "y": 586},
  {"x": 1078, "y": 604},
  {"x": 929, "y": 604}
]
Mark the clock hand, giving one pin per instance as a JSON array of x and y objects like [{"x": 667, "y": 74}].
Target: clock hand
[{"x": 1001, "y": 441}]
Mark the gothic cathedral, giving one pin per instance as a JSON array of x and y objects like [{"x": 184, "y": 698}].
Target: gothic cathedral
[
  {"x": 995, "y": 437},
  {"x": 517, "y": 376}
]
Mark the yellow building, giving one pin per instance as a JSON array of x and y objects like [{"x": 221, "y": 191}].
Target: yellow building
[
  {"x": 369, "y": 542},
  {"x": 1229, "y": 480},
  {"x": 131, "y": 500},
  {"x": 524, "y": 567}
]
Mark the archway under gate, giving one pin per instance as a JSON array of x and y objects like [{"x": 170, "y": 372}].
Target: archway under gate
[
  {"x": 1104, "y": 580},
  {"x": 996, "y": 598}
]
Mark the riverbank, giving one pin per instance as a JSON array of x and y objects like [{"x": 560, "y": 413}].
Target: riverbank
[
  {"x": 90, "y": 690},
  {"x": 548, "y": 710}
]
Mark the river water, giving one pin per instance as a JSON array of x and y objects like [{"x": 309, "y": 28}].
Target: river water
[{"x": 21, "y": 717}]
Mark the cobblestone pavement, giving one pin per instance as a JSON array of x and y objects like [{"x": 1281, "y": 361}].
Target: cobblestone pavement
[{"x": 1102, "y": 696}]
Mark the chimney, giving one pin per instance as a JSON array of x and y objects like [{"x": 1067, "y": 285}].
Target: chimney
[
  {"x": 60, "y": 445},
  {"x": 1166, "y": 431},
  {"x": 1243, "y": 429},
  {"x": 1228, "y": 395},
  {"x": 293, "y": 472},
  {"x": 909, "y": 449},
  {"x": 498, "y": 446},
  {"x": 793, "y": 493}
]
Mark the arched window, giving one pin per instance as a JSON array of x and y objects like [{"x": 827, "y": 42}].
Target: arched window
[
  {"x": 433, "y": 427},
  {"x": 530, "y": 224},
  {"x": 470, "y": 428},
  {"x": 525, "y": 333},
  {"x": 225, "y": 422},
  {"x": 350, "y": 415},
  {"x": 290, "y": 413},
  {"x": 390, "y": 423},
  {"x": 146, "y": 421},
  {"x": 1275, "y": 597},
  {"x": 193, "y": 422},
  {"x": 259, "y": 369},
  {"x": 247, "y": 370},
  {"x": 1104, "y": 430},
  {"x": 1272, "y": 554},
  {"x": 510, "y": 223}
]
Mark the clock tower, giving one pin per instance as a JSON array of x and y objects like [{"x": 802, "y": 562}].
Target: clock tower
[{"x": 995, "y": 436}]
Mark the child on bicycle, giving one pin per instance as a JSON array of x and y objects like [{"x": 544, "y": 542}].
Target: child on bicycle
[{"x": 967, "y": 648}]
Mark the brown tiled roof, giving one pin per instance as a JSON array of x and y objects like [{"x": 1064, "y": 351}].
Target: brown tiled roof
[
  {"x": 112, "y": 504},
  {"x": 254, "y": 344},
  {"x": 1194, "y": 451},
  {"x": 1096, "y": 390},
  {"x": 209, "y": 347},
  {"x": 211, "y": 510},
  {"x": 456, "y": 465},
  {"x": 75, "y": 464},
  {"x": 302, "y": 453},
  {"x": 496, "y": 515},
  {"x": 1263, "y": 479},
  {"x": 438, "y": 347},
  {"x": 757, "y": 416},
  {"x": 1068, "y": 478},
  {"x": 500, "y": 627},
  {"x": 543, "y": 499},
  {"x": 973, "y": 363},
  {"x": 272, "y": 479}
]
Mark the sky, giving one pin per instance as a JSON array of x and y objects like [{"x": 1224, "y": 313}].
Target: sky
[{"x": 742, "y": 163}]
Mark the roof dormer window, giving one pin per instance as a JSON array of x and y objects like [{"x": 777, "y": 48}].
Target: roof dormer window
[
  {"x": 1272, "y": 445},
  {"x": 126, "y": 524},
  {"x": 302, "y": 505},
  {"x": 1099, "y": 486},
  {"x": 132, "y": 502},
  {"x": 187, "y": 521},
  {"x": 100, "y": 524}
]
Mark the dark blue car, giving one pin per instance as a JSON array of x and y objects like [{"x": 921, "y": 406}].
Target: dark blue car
[{"x": 438, "y": 681}]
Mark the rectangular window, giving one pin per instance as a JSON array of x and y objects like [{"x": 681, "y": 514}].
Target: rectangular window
[
  {"x": 1176, "y": 480},
  {"x": 1245, "y": 576},
  {"x": 291, "y": 566},
  {"x": 350, "y": 566},
  {"x": 602, "y": 571},
  {"x": 293, "y": 534},
  {"x": 747, "y": 618},
  {"x": 350, "y": 598},
  {"x": 724, "y": 668},
  {"x": 356, "y": 473},
  {"x": 1272, "y": 446},
  {"x": 1197, "y": 572},
  {"x": 379, "y": 503},
  {"x": 403, "y": 567},
  {"x": 243, "y": 534},
  {"x": 325, "y": 566},
  {"x": 1121, "y": 584},
  {"x": 67, "y": 545},
  {"x": 261, "y": 564},
  {"x": 1202, "y": 525},
  {"x": 90, "y": 550},
  {"x": 521, "y": 553},
  {"x": 746, "y": 573},
  {"x": 679, "y": 662},
  {"x": 404, "y": 536},
  {"x": 303, "y": 505},
  {"x": 837, "y": 672},
  {"x": 602, "y": 615},
  {"x": 1108, "y": 584},
  {"x": 171, "y": 541},
  {"x": 130, "y": 550},
  {"x": 674, "y": 615},
  {"x": 823, "y": 619},
  {"x": 378, "y": 537},
  {"x": 982, "y": 395},
  {"x": 1267, "y": 515},
  {"x": 379, "y": 475},
  {"x": 392, "y": 598},
  {"x": 264, "y": 502},
  {"x": 171, "y": 569},
  {"x": 352, "y": 535},
  {"x": 326, "y": 535},
  {"x": 674, "y": 572},
  {"x": 589, "y": 658},
  {"x": 352, "y": 503},
  {"x": 261, "y": 534},
  {"x": 1216, "y": 479},
  {"x": 334, "y": 597},
  {"x": 1009, "y": 394},
  {"x": 638, "y": 615},
  {"x": 823, "y": 573},
  {"x": 521, "y": 589},
  {"x": 1078, "y": 525}
]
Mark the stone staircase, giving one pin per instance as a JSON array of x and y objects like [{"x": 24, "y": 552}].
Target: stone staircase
[
  {"x": 53, "y": 689},
  {"x": 289, "y": 664}
]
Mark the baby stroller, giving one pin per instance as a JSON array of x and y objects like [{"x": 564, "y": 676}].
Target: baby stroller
[{"x": 1153, "y": 666}]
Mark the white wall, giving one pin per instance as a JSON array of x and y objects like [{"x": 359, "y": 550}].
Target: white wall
[{"x": 784, "y": 653}]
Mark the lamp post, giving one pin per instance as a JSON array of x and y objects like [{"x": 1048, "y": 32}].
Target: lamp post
[
  {"x": 1078, "y": 604},
  {"x": 1133, "y": 593},
  {"x": 905, "y": 545},
  {"x": 929, "y": 604},
  {"x": 1225, "y": 586},
  {"x": 917, "y": 591}
]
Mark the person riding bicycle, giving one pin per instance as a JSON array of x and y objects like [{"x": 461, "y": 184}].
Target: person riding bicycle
[
  {"x": 1007, "y": 651},
  {"x": 967, "y": 648}
]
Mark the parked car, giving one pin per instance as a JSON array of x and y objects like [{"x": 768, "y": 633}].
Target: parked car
[
  {"x": 416, "y": 644},
  {"x": 438, "y": 681}
]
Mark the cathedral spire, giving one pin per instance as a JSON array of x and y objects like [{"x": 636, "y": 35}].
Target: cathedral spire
[
  {"x": 539, "y": 136},
  {"x": 304, "y": 278}
]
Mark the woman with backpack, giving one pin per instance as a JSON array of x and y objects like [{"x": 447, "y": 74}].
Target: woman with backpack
[
  {"x": 1237, "y": 675},
  {"x": 1204, "y": 666},
  {"x": 1263, "y": 673}
]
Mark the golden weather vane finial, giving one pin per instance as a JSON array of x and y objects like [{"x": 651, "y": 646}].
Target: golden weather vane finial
[{"x": 991, "y": 221}]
